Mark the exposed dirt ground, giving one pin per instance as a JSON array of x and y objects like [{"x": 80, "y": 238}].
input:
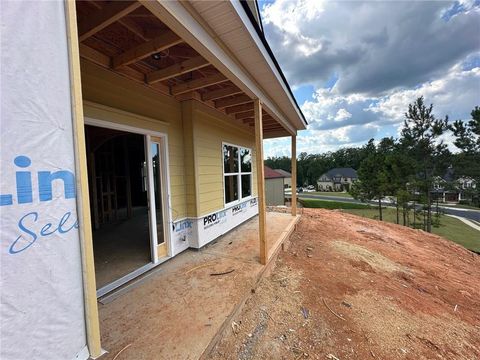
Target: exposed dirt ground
[{"x": 353, "y": 288}]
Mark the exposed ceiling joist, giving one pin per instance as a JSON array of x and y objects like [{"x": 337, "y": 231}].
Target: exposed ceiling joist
[
  {"x": 237, "y": 100},
  {"x": 103, "y": 60},
  {"x": 180, "y": 68},
  {"x": 109, "y": 14},
  {"x": 221, "y": 93},
  {"x": 134, "y": 27},
  {"x": 94, "y": 56},
  {"x": 238, "y": 108},
  {"x": 244, "y": 115},
  {"x": 160, "y": 43},
  {"x": 198, "y": 83}
]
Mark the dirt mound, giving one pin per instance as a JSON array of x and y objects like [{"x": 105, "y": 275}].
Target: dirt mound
[
  {"x": 352, "y": 288},
  {"x": 363, "y": 255}
]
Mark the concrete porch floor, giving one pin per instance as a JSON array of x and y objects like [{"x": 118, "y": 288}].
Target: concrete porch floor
[{"x": 175, "y": 311}]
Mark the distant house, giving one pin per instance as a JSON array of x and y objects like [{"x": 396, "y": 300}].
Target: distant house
[
  {"x": 288, "y": 177},
  {"x": 337, "y": 179},
  {"x": 274, "y": 187},
  {"x": 449, "y": 188}
]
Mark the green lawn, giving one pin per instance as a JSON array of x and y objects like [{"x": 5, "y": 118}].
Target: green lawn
[
  {"x": 325, "y": 204},
  {"x": 331, "y": 193},
  {"x": 450, "y": 228},
  {"x": 458, "y": 206}
]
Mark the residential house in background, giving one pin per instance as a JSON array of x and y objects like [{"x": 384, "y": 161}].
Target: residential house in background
[
  {"x": 288, "y": 177},
  {"x": 449, "y": 188},
  {"x": 274, "y": 187},
  {"x": 337, "y": 179}
]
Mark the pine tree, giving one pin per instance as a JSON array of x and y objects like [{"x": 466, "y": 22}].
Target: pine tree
[{"x": 421, "y": 137}]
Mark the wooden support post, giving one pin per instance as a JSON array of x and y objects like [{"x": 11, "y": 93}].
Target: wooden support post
[
  {"x": 92, "y": 321},
  {"x": 294, "y": 175},
  {"x": 257, "y": 107}
]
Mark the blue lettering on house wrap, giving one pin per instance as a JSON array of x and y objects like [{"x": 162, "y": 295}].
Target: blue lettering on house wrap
[
  {"x": 23, "y": 180},
  {"x": 31, "y": 226}
]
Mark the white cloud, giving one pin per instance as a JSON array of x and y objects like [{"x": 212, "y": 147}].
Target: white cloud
[
  {"x": 455, "y": 95},
  {"x": 374, "y": 46}
]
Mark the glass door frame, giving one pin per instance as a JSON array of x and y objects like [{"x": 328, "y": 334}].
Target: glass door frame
[
  {"x": 167, "y": 217},
  {"x": 161, "y": 141}
]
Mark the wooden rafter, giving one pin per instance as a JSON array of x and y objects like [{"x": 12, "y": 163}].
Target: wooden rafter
[
  {"x": 180, "y": 68},
  {"x": 160, "y": 43},
  {"x": 244, "y": 115},
  {"x": 103, "y": 60},
  {"x": 109, "y": 14},
  {"x": 198, "y": 83},
  {"x": 237, "y": 100},
  {"x": 126, "y": 22},
  {"x": 238, "y": 108},
  {"x": 94, "y": 56},
  {"x": 221, "y": 93},
  {"x": 134, "y": 27}
]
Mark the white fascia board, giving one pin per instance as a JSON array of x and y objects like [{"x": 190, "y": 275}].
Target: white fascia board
[
  {"x": 253, "y": 33},
  {"x": 181, "y": 21}
]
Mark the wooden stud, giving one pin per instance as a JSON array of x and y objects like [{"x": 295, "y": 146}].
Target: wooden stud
[
  {"x": 237, "y": 100},
  {"x": 92, "y": 323},
  {"x": 294, "y": 175},
  {"x": 160, "y": 43},
  {"x": 198, "y": 83},
  {"x": 257, "y": 106},
  {"x": 221, "y": 93},
  {"x": 180, "y": 68},
  {"x": 109, "y": 14}
]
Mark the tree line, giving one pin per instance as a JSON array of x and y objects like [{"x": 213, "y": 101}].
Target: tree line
[{"x": 410, "y": 168}]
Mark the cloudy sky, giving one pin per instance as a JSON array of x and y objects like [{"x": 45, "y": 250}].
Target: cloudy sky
[{"x": 354, "y": 66}]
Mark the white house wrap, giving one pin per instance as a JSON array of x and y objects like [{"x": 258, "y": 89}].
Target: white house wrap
[{"x": 42, "y": 306}]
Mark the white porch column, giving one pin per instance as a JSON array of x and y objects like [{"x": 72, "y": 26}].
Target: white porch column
[
  {"x": 294, "y": 175},
  {"x": 257, "y": 106}
]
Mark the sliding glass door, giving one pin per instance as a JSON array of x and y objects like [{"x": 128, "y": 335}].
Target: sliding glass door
[{"x": 157, "y": 197}]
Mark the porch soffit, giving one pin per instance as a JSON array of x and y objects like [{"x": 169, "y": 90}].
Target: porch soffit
[{"x": 132, "y": 41}]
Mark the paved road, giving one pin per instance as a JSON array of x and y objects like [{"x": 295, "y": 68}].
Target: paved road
[{"x": 465, "y": 213}]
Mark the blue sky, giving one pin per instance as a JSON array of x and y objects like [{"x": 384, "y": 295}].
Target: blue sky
[{"x": 354, "y": 66}]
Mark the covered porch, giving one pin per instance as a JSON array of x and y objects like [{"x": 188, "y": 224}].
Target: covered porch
[
  {"x": 164, "y": 69},
  {"x": 177, "y": 311}
]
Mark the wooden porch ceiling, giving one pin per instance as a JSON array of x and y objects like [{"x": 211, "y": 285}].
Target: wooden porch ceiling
[{"x": 125, "y": 37}]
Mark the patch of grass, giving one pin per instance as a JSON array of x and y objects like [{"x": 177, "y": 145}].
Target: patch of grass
[
  {"x": 450, "y": 228},
  {"x": 332, "y": 193},
  {"x": 325, "y": 204},
  {"x": 458, "y": 206}
]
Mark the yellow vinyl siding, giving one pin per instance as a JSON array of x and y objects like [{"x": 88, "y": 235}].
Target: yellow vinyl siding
[
  {"x": 210, "y": 129},
  {"x": 164, "y": 114}
]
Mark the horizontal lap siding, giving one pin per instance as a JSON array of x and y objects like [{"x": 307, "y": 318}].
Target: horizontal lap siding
[
  {"x": 106, "y": 88},
  {"x": 210, "y": 130}
]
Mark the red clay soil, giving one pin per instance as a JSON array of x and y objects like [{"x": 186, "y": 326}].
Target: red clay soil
[{"x": 353, "y": 288}]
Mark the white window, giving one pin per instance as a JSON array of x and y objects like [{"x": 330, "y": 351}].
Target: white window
[{"x": 237, "y": 173}]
